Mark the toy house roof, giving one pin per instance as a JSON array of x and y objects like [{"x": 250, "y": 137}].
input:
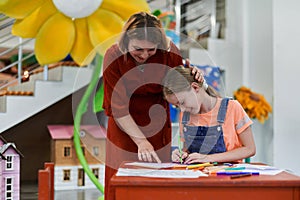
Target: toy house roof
[
  {"x": 6, "y": 145},
  {"x": 67, "y": 131}
]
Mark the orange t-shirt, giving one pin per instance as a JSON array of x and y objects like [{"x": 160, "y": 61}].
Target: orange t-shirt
[{"x": 236, "y": 121}]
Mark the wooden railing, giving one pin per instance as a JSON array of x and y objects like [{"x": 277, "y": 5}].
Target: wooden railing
[{"x": 46, "y": 182}]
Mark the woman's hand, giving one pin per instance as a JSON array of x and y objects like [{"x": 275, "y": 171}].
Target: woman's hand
[
  {"x": 198, "y": 74},
  {"x": 146, "y": 152},
  {"x": 145, "y": 149},
  {"x": 195, "y": 71},
  {"x": 176, "y": 155}
]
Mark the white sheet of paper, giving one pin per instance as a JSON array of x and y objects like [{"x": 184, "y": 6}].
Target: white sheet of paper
[
  {"x": 160, "y": 173},
  {"x": 262, "y": 169},
  {"x": 154, "y": 165}
]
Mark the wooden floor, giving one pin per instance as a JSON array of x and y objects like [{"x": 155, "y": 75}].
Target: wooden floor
[{"x": 29, "y": 191}]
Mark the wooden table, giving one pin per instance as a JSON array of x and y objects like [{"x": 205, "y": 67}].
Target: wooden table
[{"x": 283, "y": 186}]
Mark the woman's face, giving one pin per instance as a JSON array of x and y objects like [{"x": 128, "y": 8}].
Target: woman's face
[
  {"x": 141, "y": 50},
  {"x": 186, "y": 101}
]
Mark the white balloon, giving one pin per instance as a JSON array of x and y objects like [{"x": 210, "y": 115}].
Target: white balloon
[{"x": 77, "y": 8}]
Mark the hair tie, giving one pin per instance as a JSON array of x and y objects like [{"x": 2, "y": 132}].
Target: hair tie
[{"x": 204, "y": 84}]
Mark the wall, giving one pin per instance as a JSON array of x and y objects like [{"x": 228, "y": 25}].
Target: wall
[
  {"x": 261, "y": 50},
  {"x": 258, "y": 67},
  {"x": 246, "y": 56},
  {"x": 286, "y": 88},
  {"x": 32, "y": 136}
]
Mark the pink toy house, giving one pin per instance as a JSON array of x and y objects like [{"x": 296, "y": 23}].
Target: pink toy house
[
  {"x": 9, "y": 171},
  {"x": 68, "y": 172}
]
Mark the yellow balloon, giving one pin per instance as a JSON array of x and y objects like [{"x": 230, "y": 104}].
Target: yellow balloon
[
  {"x": 55, "y": 39},
  {"x": 83, "y": 51},
  {"x": 30, "y": 25},
  {"x": 125, "y": 8},
  {"x": 102, "y": 26},
  {"x": 19, "y": 8}
]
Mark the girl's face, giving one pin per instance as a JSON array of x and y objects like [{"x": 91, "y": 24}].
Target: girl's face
[
  {"x": 141, "y": 50},
  {"x": 185, "y": 101}
]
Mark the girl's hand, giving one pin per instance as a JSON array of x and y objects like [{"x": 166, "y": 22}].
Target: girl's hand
[
  {"x": 176, "y": 156},
  {"x": 146, "y": 152},
  {"x": 196, "y": 158}
]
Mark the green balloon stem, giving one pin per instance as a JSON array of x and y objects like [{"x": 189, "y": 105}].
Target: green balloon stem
[{"x": 81, "y": 109}]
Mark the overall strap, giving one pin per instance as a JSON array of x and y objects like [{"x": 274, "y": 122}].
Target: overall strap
[
  {"x": 223, "y": 109},
  {"x": 185, "y": 118}
]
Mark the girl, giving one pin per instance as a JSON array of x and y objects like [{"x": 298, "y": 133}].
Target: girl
[{"x": 214, "y": 129}]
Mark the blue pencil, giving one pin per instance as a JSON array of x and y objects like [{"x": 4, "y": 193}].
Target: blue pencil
[{"x": 236, "y": 173}]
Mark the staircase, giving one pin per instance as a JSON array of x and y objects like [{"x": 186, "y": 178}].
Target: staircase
[{"x": 62, "y": 81}]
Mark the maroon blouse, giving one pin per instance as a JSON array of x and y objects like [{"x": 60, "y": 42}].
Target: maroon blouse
[{"x": 132, "y": 89}]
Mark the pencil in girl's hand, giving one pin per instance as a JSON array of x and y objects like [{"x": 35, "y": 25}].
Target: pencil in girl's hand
[
  {"x": 180, "y": 149},
  {"x": 180, "y": 156}
]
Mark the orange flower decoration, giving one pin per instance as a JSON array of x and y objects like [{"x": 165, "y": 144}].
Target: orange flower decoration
[{"x": 253, "y": 103}]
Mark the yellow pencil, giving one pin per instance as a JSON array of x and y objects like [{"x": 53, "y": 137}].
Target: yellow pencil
[{"x": 199, "y": 165}]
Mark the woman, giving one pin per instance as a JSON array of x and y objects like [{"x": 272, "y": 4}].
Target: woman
[
  {"x": 139, "y": 126},
  {"x": 215, "y": 129}
]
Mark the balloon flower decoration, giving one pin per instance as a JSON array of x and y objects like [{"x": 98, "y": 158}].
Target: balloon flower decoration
[
  {"x": 80, "y": 28},
  {"x": 74, "y": 27}
]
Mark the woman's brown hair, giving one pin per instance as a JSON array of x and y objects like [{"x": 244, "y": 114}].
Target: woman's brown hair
[{"x": 143, "y": 26}]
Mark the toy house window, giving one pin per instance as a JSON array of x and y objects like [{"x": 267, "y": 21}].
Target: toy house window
[
  {"x": 96, "y": 172},
  {"x": 67, "y": 151},
  {"x": 9, "y": 189},
  {"x": 9, "y": 162},
  {"x": 67, "y": 174},
  {"x": 96, "y": 151},
  {"x": 83, "y": 150}
]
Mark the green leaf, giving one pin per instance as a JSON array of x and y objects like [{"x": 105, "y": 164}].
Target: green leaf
[
  {"x": 99, "y": 96},
  {"x": 98, "y": 100}
]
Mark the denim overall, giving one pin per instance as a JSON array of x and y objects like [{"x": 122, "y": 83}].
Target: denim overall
[{"x": 203, "y": 139}]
